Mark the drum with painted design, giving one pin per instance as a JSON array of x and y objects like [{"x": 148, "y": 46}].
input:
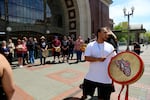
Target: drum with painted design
[{"x": 126, "y": 68}]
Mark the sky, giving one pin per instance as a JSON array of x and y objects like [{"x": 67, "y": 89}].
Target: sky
[{"x": 141, "y": 14}]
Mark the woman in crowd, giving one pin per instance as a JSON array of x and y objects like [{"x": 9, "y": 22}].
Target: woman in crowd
[
  {"x": 5, "y": 50},
  {"x": 19, "y": 51},
  {"x": 71, "y": 46},
  {"x": 31, "y": 47},
  {"x": 65, "y": 48},
  {"x": 77, "y": 47},
  {"x": 43, "y": 47},
  {"x": 56, "y": 44},
  {"x": 11, "y": 47}
]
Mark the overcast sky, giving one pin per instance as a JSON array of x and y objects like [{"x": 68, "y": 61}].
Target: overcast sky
[{"x": 141, "y": 13}]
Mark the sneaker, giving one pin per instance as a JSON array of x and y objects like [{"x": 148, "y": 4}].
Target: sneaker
[
  {"x": 81, "y": 86},
  {"x": 20, "y": 66},
  {"x": 67, "y": 61},
  {"x": 59, "y": 61}
]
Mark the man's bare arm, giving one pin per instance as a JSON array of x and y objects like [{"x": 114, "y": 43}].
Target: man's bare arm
[
  {"x": 94, "y": 59},
  {"x": 7, "y": 78}
]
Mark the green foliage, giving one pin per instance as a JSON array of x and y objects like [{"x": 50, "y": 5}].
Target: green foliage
[
  {"x": 118, "y": 27},
  {"x": 122, "y": 37},
  {"x": 147, "y": 36}
]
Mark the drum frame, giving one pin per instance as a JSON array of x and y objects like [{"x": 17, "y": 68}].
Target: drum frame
[{"x": 136, "y": 77}]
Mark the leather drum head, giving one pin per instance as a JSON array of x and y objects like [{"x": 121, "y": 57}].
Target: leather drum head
[
  {"x": 57, "y": 49},
  {"x": 45, "y": 53},
  {"x": 126, "y": 68}
]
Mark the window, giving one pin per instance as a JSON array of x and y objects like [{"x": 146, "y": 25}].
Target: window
[{"x": 25, "y": 11}]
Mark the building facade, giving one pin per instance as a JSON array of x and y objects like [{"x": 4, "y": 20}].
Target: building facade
[{"x": 53, "y": 17}]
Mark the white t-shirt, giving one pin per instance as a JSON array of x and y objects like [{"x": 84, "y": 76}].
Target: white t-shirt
[{"x": 98, "y": 71}]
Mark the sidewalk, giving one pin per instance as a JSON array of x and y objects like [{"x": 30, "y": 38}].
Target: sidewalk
[{"x": 59, "y": 81}]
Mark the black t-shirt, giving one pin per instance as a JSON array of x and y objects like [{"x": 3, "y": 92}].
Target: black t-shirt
[
  {"x": 112, "y": 41},
  {"x": 65, "y": 43},
  {"x": 137, "y": 46},
  {"x": 43, "y": 45},
  {"x": 31, "y": 46},
  {"x": 2, "y": 93}
]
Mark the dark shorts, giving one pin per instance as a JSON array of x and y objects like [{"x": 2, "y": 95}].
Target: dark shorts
[
  {"x": 104, "y": 90},
  {"x": 56, "y": 53},
  {"x": 25, "y": 55},
  {"x": 2, "y": 94},
  {"x": 65, "y": 52},
  {"x": 19, "y": 54}
]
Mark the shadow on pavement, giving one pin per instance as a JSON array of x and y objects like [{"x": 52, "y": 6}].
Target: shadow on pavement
[
  {"x": 75, "y": 98},
  {"x": 71, "y": 98},
  {"x": 76, "y": 62}
]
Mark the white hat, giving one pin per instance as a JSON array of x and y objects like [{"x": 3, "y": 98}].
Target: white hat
[{"x": 42, "y": 37}]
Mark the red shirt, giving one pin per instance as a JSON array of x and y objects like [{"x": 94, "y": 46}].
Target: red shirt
[{"x": 56, "y": 43}]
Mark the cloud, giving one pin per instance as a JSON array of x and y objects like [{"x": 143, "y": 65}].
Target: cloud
[
  {"x": 141, "y": 7},
  {"x": 146, "y": 25},
  {"x": 141, "y": 13}
]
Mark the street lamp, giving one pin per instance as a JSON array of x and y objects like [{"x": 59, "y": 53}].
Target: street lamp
[
  {"x": 128, "y": 14},
  {"x": 47, "y": 31},
  {"x": 8, "y": 30}
]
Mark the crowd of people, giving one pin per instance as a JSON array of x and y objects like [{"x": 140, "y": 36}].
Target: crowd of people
[{"x": 28, "y": 49}]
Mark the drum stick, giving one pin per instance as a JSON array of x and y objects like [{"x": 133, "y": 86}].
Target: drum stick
[{"x": 110, "y": 53}]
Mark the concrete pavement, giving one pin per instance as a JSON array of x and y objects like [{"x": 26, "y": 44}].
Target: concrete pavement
[{"x": 59, "y": 81}]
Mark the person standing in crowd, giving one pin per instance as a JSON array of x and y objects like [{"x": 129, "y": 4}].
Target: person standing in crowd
[
  {"x": 77, "y": 48},
  {"x": 19, "y": 51},
  {"x": 137, "y": 48},
  {"x": 36, "y": 48},
  {"x": 93, "y": 37},
  {"x": 31, "y": 47},
  {"x": 99, "y": 54},
  {"x": 43, "y": 48},
  {"x": 71, "y": 46},
  {"x": 65, "y": 48},
  {"x": 5, "y": 50},
  {"x": 56, "y": 44},
  {"x": 11, "y": 47},
  {"x": 112, "y": 39},
  {"x": 7, "y": 86},
  {"x": 26, "y": 53}
]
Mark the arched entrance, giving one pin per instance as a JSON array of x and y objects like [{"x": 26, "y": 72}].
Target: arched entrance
[{"x": 66, "y": 17}]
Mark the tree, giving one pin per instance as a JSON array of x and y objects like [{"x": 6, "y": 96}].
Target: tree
[
  {"x": 147, "y": 36},
  {"x": 122, "y": 35}
]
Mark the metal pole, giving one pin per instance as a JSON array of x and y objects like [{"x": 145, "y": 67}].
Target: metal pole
[
  {"x": 45, "y": 15},
  {"x": 6, "y": 19},
  {"x": 128, "y": 32}
]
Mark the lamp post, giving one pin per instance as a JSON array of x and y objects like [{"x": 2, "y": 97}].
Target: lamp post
[
  {"x": 8, "y": 30},
  {"x": 44, "y": 15},
  {"x": 47, "y": 31},
  {"x": 128, "y": 14}
]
